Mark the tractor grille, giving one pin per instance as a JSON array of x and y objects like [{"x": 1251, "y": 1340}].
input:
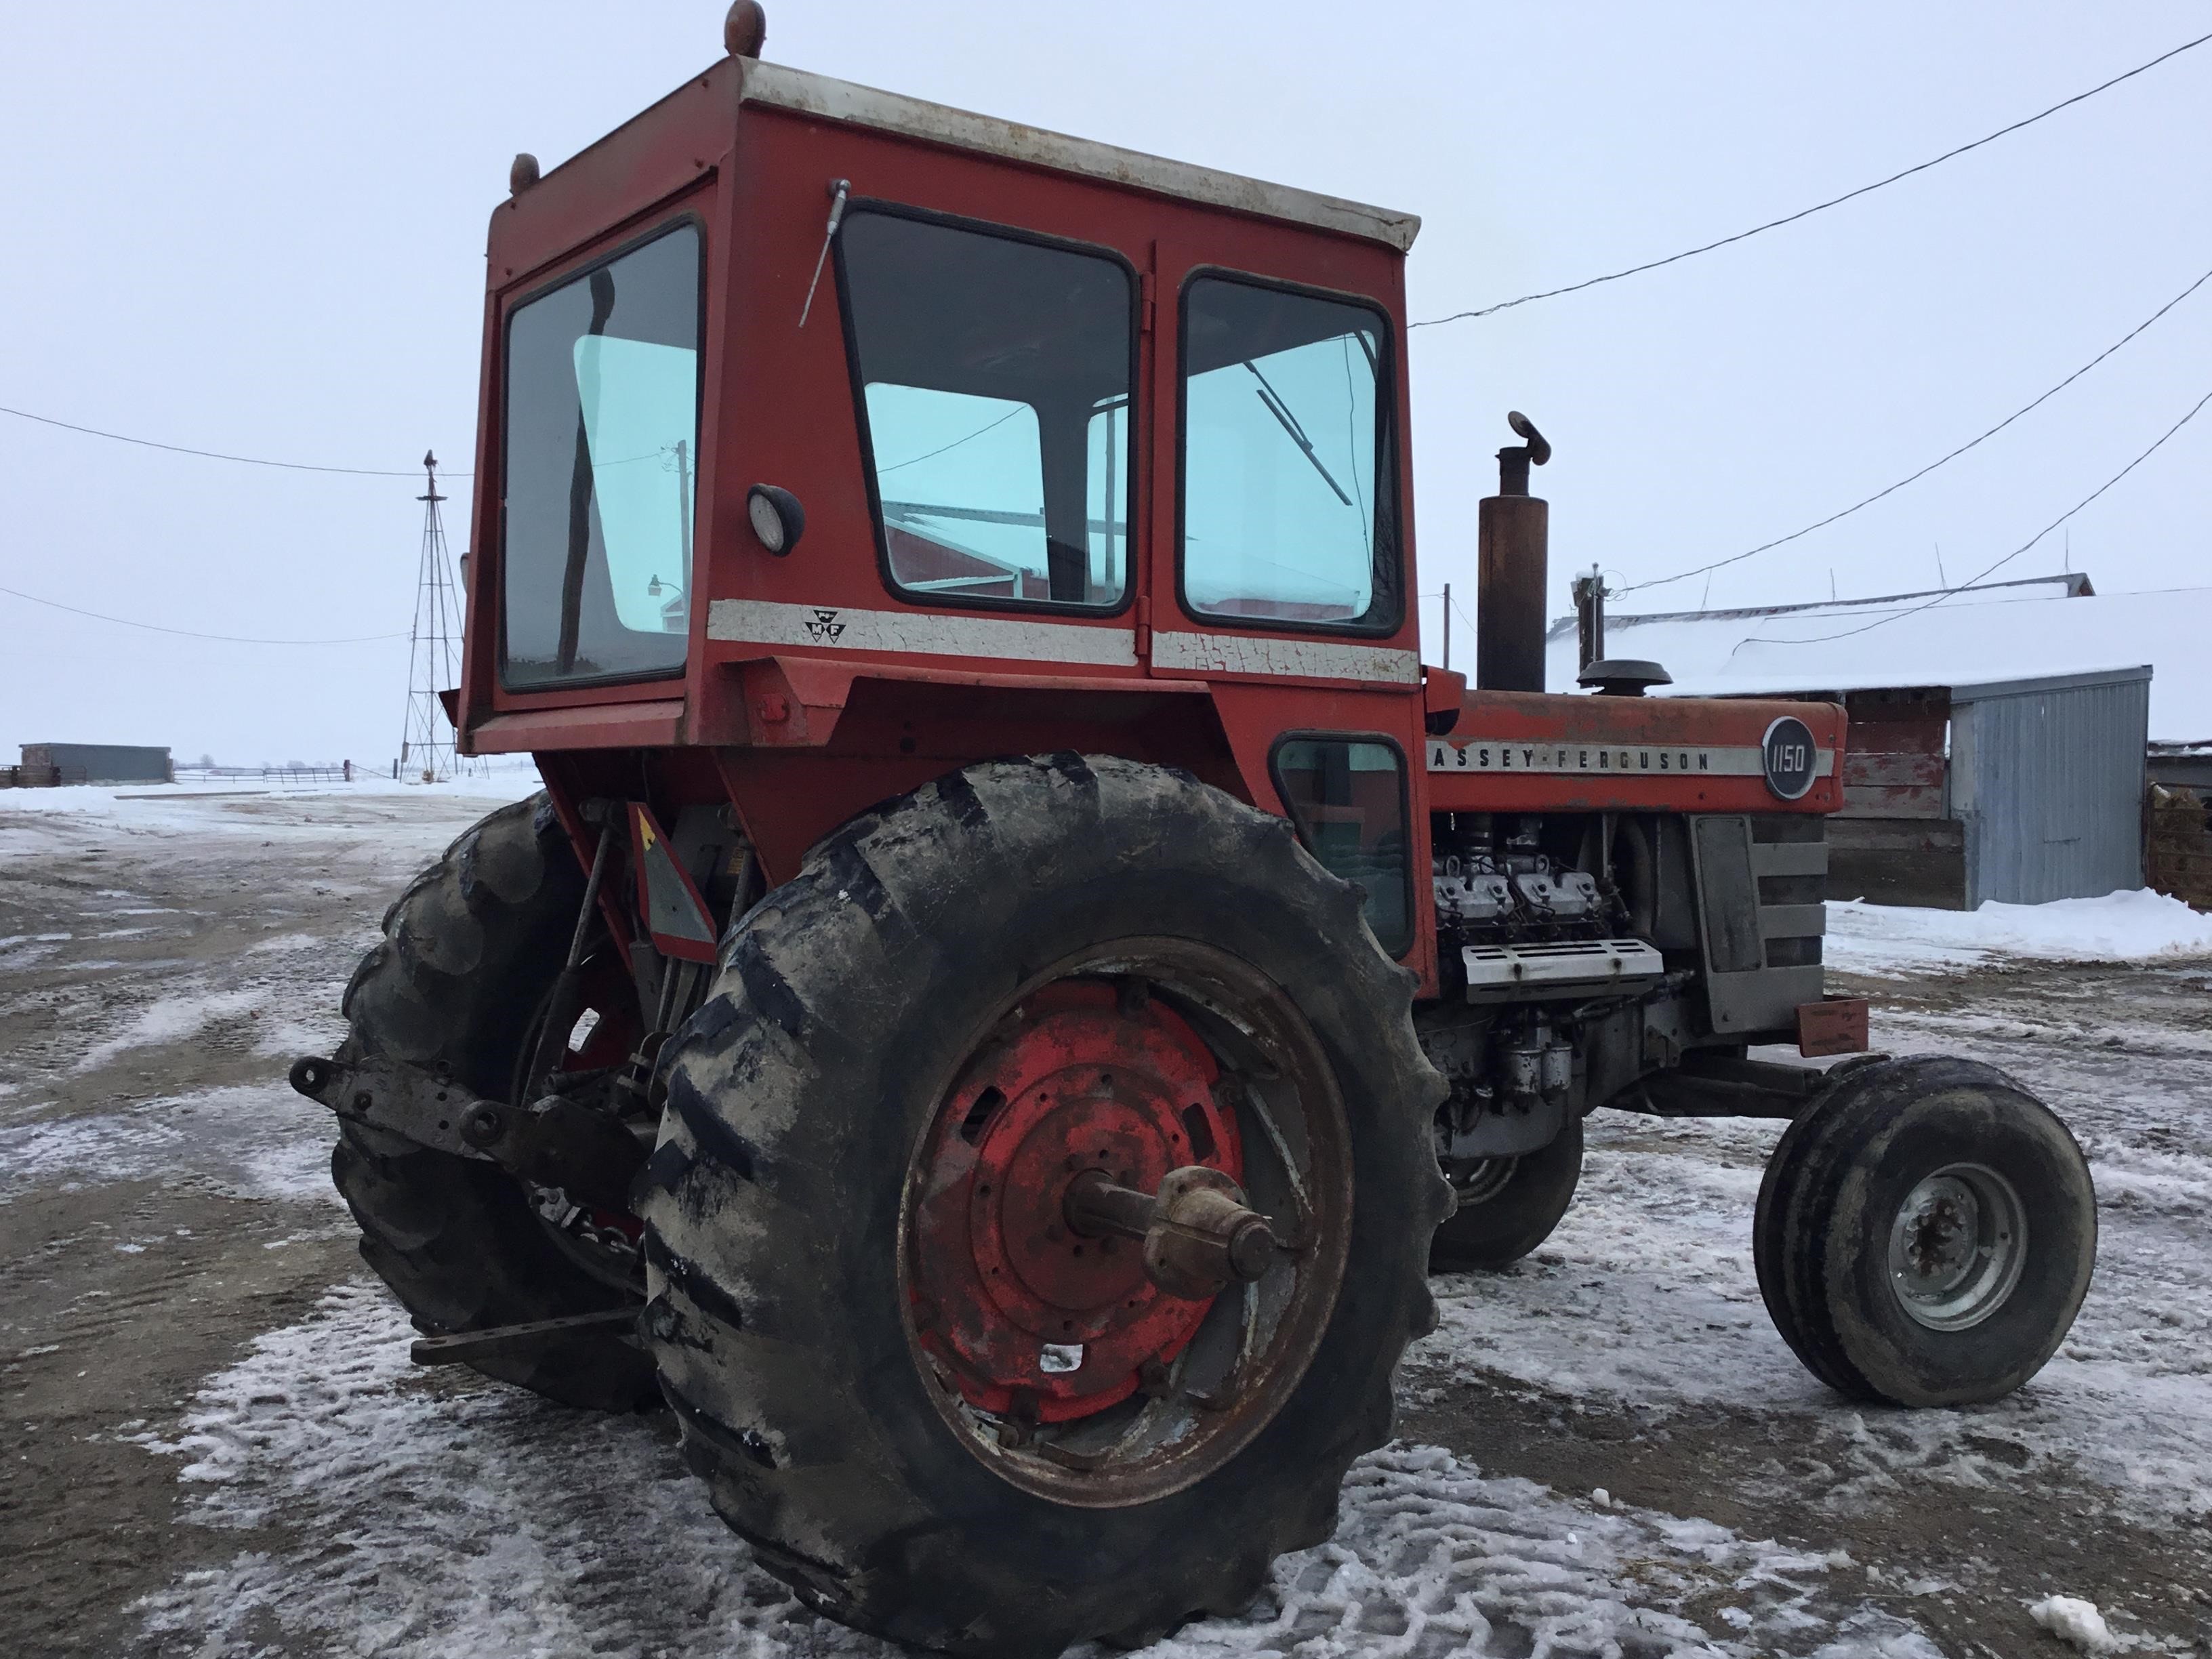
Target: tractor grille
[{"x": 1762, "y": 882}]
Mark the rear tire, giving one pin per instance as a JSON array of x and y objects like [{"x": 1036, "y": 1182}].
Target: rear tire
[
  {"x": 791, "y": 1207},
  {"x": 1504, "y": 1214},
  {"x": 1925, "y": 1234},
  {"x": 469, "y": 952}
]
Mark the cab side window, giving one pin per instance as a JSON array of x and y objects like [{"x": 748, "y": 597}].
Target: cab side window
[{"x": 991, "y": 376}]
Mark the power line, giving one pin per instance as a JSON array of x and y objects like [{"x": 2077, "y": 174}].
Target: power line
[
  {"x": 1818, "y": 206},
  {"x": 1822, "y": 524},
  {"x": 2000, "y": 564},
  {"x": 209, "y": 454},
  {"x": 1463, "y": 617},
  {"x": 190, "y": 633},
  {"x": 915, "y": 460}
]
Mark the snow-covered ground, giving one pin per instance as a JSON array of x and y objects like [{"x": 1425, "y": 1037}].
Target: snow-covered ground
[
  {"x": 431, "y": 1514},
  {"x": 2140, "y": 926},
  {"x": 182, "y": 808},
  {"x": 344, "y": 1502},
  {"x": 470, "y": 1519}
]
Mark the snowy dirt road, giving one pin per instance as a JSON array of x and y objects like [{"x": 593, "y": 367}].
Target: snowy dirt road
[{"x": 214, "y": 1444}]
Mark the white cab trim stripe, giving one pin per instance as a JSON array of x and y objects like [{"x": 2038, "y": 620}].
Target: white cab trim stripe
[
  {"x": 1248, "y": 653},
  {"x": 925, "y": 633},
  {"x": 1609, "y": 757}
]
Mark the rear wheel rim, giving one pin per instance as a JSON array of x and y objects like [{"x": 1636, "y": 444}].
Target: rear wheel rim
[
  {"x": 1076, "y": 1378},
  {"x": 1957, "y": 1246}
]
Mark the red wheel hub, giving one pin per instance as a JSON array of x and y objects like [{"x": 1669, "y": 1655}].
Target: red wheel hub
[{"x": 1027, "y": 1315}]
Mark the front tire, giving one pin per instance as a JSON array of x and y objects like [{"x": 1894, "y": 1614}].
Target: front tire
[
  {"x": 1925, "y": 1234},
  {"x": 822, "y": 1234},
  {"x": 1508, "y": 1205}
]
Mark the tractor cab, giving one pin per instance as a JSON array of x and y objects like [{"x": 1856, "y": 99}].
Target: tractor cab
[{"x": 811, "y": 412}]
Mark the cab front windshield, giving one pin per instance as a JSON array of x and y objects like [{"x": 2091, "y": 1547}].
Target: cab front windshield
[{"x": 602, "y": 411}]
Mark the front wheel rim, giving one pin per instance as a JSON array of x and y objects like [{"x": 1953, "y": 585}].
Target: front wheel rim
[
  {"x": 1144, "y": 1394},
  {"x": 1477, "y": 1181},
  {"x": 1958, "y": 1245}
]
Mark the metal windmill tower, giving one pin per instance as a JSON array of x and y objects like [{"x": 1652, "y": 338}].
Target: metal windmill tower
[{"x": 426, "y": 747}]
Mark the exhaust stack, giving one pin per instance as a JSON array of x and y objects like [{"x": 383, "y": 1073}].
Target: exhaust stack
[{"x": 1514, "y": 556}]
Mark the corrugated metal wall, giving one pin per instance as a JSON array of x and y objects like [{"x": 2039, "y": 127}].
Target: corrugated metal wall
[{"x": 2050, "y": 783}]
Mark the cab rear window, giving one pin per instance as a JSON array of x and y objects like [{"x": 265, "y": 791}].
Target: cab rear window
[{"x": 600, "y": 461}]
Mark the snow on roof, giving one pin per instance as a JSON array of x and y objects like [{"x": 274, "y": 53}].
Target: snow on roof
[{"x": 1969, "y": 640}]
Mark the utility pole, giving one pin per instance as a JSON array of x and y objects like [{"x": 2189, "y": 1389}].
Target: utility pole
[
  {"x": 426, "y": 746},
  {"x": 1448, "y": 624}
]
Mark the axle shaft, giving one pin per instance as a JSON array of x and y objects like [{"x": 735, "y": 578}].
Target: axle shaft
[{"x": 1198, "y": 1235}]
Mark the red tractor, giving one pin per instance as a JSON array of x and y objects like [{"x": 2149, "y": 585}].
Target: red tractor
[{"x": 1018, "y": 971}]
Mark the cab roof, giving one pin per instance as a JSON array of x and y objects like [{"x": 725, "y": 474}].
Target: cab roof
[
  {"x": 828, "y": 99},
  {"x": 737, "y": 80}
]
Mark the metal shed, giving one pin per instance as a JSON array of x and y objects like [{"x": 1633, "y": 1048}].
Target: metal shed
[
  {"x": 2017, "y": 790},
  {"x": 52, "y": 763}
]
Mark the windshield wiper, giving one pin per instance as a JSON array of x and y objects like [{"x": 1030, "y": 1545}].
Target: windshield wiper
[{"x": 1281, "y": 411}]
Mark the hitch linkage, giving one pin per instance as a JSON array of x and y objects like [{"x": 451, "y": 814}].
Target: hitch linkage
[{"x": 557, "y": 1142}]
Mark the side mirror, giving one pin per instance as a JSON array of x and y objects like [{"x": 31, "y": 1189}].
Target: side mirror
[{"x": 778, "y": 519}]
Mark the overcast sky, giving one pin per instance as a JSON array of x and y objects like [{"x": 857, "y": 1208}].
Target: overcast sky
[{"x": 259, "y": 228}]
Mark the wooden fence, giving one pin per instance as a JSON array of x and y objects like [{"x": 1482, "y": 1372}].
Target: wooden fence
[
  {"x": 333, "y": 772},
  {"x": 53, "y": 777}
]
